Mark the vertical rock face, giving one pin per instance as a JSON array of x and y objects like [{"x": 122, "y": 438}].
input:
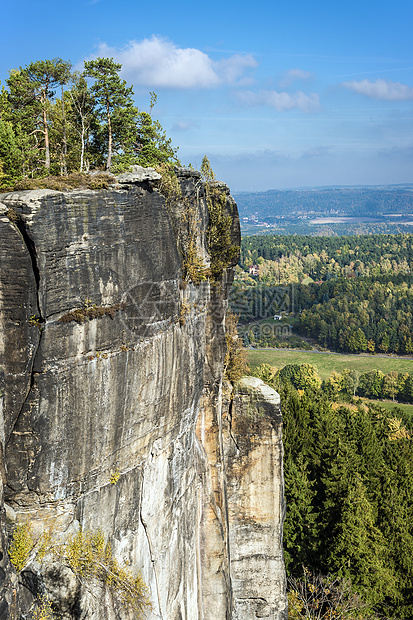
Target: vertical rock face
[
  {"x": 254, "y": 470},
  {"x": 111, "y": 408}
]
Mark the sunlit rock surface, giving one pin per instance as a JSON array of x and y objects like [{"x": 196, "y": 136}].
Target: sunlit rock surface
[
  {"x": 255, "y": 489},
  {"x": 117, "y": 420}
]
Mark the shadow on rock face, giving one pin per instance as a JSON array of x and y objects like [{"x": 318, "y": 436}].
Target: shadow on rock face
[{"x": 63, "y": 590}]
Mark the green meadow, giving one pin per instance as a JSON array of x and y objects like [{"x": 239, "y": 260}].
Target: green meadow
[{"x": 327, "y": 362}]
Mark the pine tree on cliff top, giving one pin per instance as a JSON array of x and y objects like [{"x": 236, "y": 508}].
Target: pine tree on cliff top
[{"x": 114, "y": 104}]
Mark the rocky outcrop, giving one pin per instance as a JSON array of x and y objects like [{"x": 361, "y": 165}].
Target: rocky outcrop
[
  {"x": 111, "y": 408},
  {"x": 255, "y": 489}
]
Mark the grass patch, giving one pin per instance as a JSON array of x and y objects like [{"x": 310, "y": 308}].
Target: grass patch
[
  {"x": 327, "y": 362},
  {"x": 89, "y": 312},
  {"x": 389, "y": 405},
  {"x": 75, "y": 180}
]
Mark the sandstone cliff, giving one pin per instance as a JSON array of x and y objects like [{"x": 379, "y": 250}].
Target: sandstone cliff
[{"x": 112, "y": 409}]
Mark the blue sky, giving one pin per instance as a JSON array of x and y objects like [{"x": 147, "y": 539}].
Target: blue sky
[{"x": 277, "y": 94}]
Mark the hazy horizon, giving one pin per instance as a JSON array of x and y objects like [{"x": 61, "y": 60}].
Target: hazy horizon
[{"x": 319, "y": 187}]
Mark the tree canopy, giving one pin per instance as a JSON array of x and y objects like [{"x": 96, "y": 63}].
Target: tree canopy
[
  {"x": 57, "y": 121},
  {"x": 348, "y": 470},
  {"x": 351, "y": 294}
]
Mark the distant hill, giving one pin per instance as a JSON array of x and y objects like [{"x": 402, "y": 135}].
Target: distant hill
[
  {"x": 319, "y": 210},
  {"x": 353, "y": 201}
]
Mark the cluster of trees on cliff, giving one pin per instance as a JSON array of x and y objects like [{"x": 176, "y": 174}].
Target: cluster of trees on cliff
[
  {"x": 54, "y": 121},
  {"x": 348, "y": 470}
]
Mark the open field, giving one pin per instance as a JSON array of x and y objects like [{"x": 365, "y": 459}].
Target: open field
[
  {"x": 327, "y": 362},
  {"x": 390, "y": 405}
]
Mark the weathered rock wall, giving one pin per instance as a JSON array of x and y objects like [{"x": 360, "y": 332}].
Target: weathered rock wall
[
  {"x": 255, "y": 490},
  {"x": 111, "y": 408}
]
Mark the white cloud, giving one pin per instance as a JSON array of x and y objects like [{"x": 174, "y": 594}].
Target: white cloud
[
  {"x": 282, "y": 101},
  {"x": 294, "y": 75},
  {"x": 159, "y": 63},
  {"x": 183, "y": 125},
  {"x": 232, "y": 69},
  {"x": 381, "y": 89}
]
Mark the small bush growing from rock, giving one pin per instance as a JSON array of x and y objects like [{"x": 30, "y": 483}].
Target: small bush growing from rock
[
  {"x": 21, "y": 545},
  {"x": 90, "y": 557},
  {"x": 114, "y": 477},
  {"x": 235, "y": 363},
  {"x": 88, "y": 312}
]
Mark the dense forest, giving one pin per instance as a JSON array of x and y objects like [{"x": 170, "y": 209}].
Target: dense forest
[
  {"x": 291, "y": 258},
  {"x": 351, "y": 294},
  {"x": 56, "y": 121},
  {"x": 348, "y": 470}
]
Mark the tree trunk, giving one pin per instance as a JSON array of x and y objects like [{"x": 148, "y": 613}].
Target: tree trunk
[
  {"x": 109, "y": 160},
  {"x": 82, "y": 151},
  {"x": 64, "y": 137},
  {"x": 46, "y": 135}
]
